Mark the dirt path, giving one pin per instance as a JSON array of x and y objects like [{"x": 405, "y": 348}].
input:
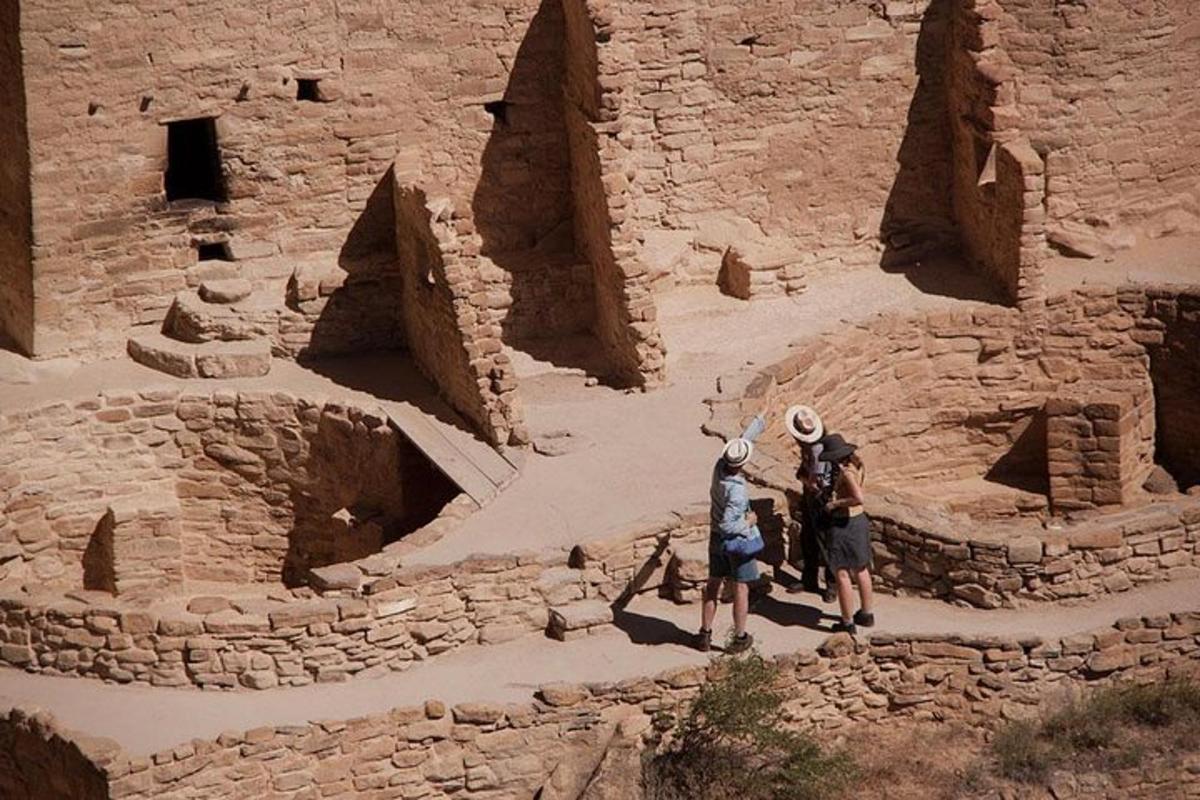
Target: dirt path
[{"x": 651, "y": 637}]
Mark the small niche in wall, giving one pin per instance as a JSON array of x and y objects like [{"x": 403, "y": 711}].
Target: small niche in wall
[
  {"x": 498, "y": 109},
  {"x": 213, "y": 251},
  {"x": 308, "y": 89},
  {"x": 193, "y": 161}
]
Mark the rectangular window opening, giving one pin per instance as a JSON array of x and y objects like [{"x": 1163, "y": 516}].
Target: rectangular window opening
[
  {"x": 193, "y": 161},
  {"x": 307, "y": 89},
  {"x": 214, "y": 251}
]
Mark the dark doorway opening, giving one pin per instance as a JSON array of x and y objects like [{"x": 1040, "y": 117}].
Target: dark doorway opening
[
  {"x": 193, "y": 161},
  {"x": 213, "y": 251},
  {"x": 307, "y": 89}
]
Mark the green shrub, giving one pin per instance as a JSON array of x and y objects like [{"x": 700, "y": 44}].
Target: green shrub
[{"x": 733, "y": 744}]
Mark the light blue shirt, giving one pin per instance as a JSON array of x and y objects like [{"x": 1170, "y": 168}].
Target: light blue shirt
[{"x": 730, "y": 499}]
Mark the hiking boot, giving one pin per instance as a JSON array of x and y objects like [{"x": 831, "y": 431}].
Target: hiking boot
[
  {"x": 702, "y": 641},
  {"x": 740, "y": 644},
  {"x": 845, "y": 627},
  {"x": 864, "y": 618}
]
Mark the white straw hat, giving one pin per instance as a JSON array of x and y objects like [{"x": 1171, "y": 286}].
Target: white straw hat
[
  {"x": 804, "y": 424},
  {"x": 737, "y": 452}
]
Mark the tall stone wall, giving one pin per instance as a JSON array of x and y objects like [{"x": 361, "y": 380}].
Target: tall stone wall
[
  {"x": 820, "y": 126},
  {"x": 1106, "y": 96},
  {"x": 16, "y": 237}
]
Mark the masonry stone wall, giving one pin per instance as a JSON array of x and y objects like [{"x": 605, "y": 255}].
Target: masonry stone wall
[
  {"x": 1104, "y": 96},
  {"x": 924, "y": 553},
  {"x": 518, "y": 750},
  {"x": 1091, "y": 445},
  {"x": 306, "y": 181},
  {"x": 950, "y": 397},
  {"x": 255, "y": 480},
  {"x": 802, "y": 132},
  {"x": 1172, "y": 337},
  {"x": 377, "y": 616},
  {"x": 16, "y": 238}
]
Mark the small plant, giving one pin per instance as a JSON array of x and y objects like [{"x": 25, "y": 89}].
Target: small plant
[
  {"x": 1021, "y": 753},
  {"x": 733, "y": 744},
  {"x": 1114, "y": 727}
]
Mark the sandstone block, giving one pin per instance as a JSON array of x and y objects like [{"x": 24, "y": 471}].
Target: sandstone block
[
  {"x": 578, "y": 616},
  {"x": 335, "y": 577},
  {"x": 563, "y": 694},
  {"x": 227, "y": 290}
]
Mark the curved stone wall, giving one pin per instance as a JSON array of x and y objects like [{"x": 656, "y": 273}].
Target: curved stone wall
[
  {"x": 130, "y": 492},
  {"x": 385, "y": 618},
  {"x": 951, "y": 402}
]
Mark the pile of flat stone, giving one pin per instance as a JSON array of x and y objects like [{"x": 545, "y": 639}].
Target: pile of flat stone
[{"x": 206, "y": 335}]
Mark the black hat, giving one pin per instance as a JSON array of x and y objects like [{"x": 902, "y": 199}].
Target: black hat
[{"x": 835, "y": 448}]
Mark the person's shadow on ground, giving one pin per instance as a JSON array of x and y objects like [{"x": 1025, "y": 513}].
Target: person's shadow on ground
[
  {"x": 789, "y": 613},
  {"x": 642, "y": 629}
]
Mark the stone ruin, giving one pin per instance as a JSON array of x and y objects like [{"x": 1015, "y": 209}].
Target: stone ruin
[{"x": 229, "y": 195}]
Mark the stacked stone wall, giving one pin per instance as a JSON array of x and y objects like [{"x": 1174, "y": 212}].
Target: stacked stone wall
[
  {"x": 258, "y": 479},
  {"x": 308, "y": 185},
  {"x": 1002, "y": 366},
  {"x": 521, "y": 749},
  {"x": 1103, "y": 94},
  {"x": 923, "y": 553},
  {"x": 947, "y": 396},
  {"x": 377, "y": 617},
  {"x": 1171, "y": 333},
  {"x": 1091, "y": 445},
  {"x": 818, "y": 127},
  {"x": 16, "y": 237}
]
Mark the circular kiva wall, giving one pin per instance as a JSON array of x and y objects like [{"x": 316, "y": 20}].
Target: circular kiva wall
[
  {"x": 989, "y": 411},
  {"x": 141, "y": 491}
]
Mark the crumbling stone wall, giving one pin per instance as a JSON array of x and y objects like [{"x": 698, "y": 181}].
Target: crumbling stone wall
[
  {"x": 359, "y": 619},
  {"x": 601, "y": 165},
  {"x": 16, "y": 237},
  {"x": 453, "y": 336},
  {"x": 38, "y": 761},
  {"x": 258, "y": 479}
]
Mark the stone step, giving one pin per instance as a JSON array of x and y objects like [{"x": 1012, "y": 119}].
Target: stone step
[
  {"x": 191, "y": 319},
  {"x": 225, "y": 290},
  {"x": 574, "y": 620},
  {"x": 243, "y": 359}
]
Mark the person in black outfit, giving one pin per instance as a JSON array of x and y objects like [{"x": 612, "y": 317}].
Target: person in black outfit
[{"x": 810, "y": 515}]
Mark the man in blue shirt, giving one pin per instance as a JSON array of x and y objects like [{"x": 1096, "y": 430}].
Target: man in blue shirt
[{"x": 730, "y": 516}]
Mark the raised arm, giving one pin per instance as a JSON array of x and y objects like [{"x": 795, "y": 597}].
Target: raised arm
[{"x": 755, "y": 428}]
